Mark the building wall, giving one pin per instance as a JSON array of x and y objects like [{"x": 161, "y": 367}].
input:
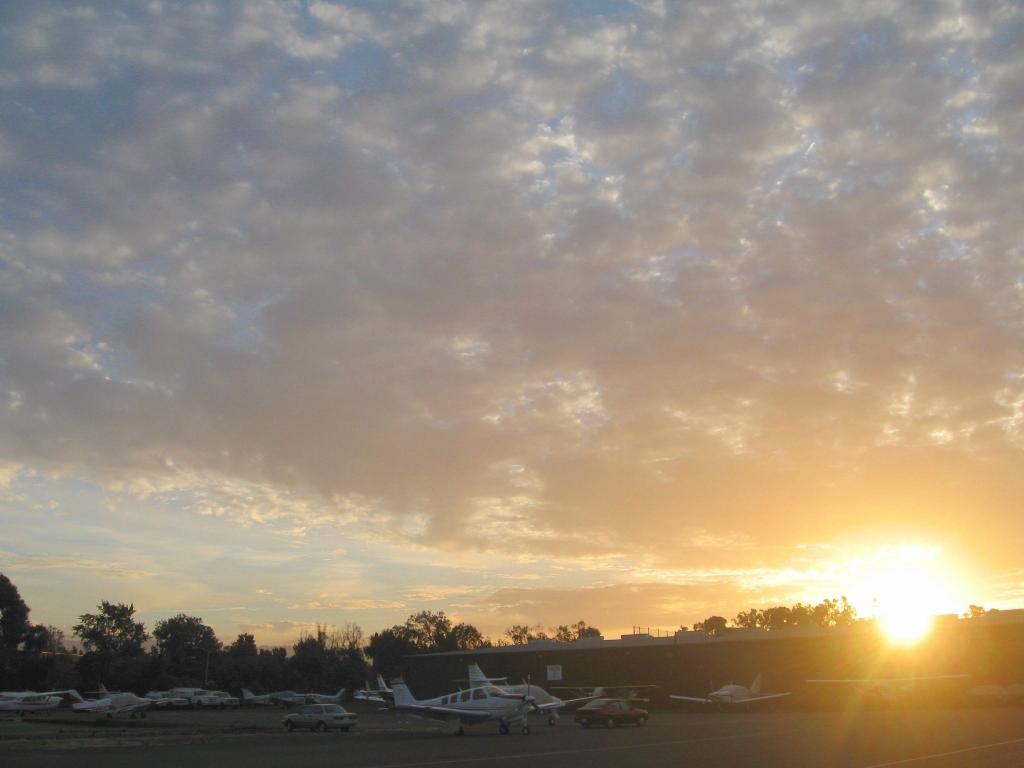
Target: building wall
[{"x": 986, "y": 652}]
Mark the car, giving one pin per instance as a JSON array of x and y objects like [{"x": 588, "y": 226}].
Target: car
[
  {"x": 610, "y": 712},
  {"x": 198, "y": 698},
  {"x": 226, "y": 699},
  {"x": 321, "y": 717}
]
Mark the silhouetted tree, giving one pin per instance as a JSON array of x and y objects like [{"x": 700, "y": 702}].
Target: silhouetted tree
[
  {"x": 243, "y": 647},
  {"x": 111, "y": 631},
  {"x": 977, "y": 611},
  {"x": 185, "y": 642},
  {"x": 712, "y": 625},
  {"x": 520, "y": 634},
  {"x": 41, "y": 638},
  {"x": 13, "y": 615},
  {"x": 388, "y": 649},
  {"x": 568, "y": 633}
]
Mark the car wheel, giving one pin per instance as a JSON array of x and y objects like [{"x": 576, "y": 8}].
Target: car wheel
[
  {"x": 321, "y": 726},
  {"x": 198, "y": 705},
  {"x": 641, "y": 721},
  {"x": 610, "y": 722},
  {"x": 289, "y": 726},
  {"x": 526, "y": 730}
]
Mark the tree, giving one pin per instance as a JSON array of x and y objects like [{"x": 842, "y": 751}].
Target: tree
[
  {"x": 111, "y": 631},
  {"x": 466, "y": 637},
  {"x": 332, "y": 659},
  {"x": 185, "y": 642},
  {"x": 520, "y": 634},
  {"x": 568, "y": 633},
  {"x": 977, "y": 611},
  {"x": 41, "y": 638},
  {"x": 388, "y": 649},
  {"x": 243, "y": 647},
  {"x": 13, "y": 615},
  {"x": 835, "y": 613},
  {"x": 712, "y": 625}
]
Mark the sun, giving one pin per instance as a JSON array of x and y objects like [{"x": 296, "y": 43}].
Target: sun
[
  {"x": 906, "y": 588},
  {"x": 909, "y": 597},
  {"x": 905, "y": 627}
]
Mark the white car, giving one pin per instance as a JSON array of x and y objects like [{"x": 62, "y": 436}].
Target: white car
[
  {"x": 199, "y": 698},
  {"x": 321, "y": 717},
  {"x": 167, "y": 700},
  {"x": 226, "y": 699}
]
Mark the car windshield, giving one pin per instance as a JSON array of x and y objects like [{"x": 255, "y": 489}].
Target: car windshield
[
  {"x": 333, "y": 709},
  {"x": 596, "y": 704}
]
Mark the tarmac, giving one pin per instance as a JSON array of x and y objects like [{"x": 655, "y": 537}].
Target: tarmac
[{"x": 925, "y": 738}]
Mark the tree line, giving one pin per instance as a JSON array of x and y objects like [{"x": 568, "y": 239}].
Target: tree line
[{"x": 116, "y": 650}]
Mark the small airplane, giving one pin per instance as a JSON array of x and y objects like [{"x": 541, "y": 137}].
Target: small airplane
[
  {"x": 290, "y": 698},
  {"x": 733, "y": 695},
  {"x": 379, "y": 695},
  {"x": 889, "y": 688},
  {"x": 113, "y": 704},
  {"x": 540, "y": 700},
  {"x": 477, "y": 704},
  {"x": 264, "y": 700},
  {"x": 24, "y": 702}
]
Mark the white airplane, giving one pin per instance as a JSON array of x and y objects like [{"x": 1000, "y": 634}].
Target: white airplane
[
  {"x": 733, "y": 695},
  {"x": 114, "y": 704},
  {"x": 480, "y": 704},
  {"x": 540, "y": 700},
  {"x": 891, "y": 688},
  {"x": 380, "y": 695},
  {"x": 23, "y": 702},
  {"x": 264, "y": 700},
  {"x": 297, "y": 699}
]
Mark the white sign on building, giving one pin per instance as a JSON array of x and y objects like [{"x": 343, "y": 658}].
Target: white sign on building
[{"x": 554, "y": 673}]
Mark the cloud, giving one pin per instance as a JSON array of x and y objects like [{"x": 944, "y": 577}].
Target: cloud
[{"x": 638, "y": 281}]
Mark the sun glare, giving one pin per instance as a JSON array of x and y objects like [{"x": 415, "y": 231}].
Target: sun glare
[{"x": 907, "y": 589}]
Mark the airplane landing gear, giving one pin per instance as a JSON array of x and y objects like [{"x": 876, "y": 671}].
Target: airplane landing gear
[
  {"x": 526, "y": 730},
  {"x": 461, "y": 731},
  {"x": 503, "y": 729},
  {"x": 551, "y": 720}
]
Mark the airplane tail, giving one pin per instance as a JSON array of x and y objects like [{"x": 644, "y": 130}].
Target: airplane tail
[
  {"x": 755, "y": 687},
  {"x": 403, "y": 695},
  {"x": 477, "y": 676},
  {"x": 381, "y": 685},
  {"x": 340, "y": 695},
  {"x": 247, "y": 694}
]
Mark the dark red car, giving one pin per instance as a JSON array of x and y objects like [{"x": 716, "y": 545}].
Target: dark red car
[{"x": 610, "y": 713}]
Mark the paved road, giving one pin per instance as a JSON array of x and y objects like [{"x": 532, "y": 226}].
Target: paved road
[{"x": 925, "y": 739}]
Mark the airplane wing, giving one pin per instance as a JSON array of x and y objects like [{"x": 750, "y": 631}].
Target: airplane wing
[
  {"x": 445, "y": 713},
  {"x": 763, "y": 698},
  {"x": 851, "y": 681},
  {"x": 677, "y": 697}
]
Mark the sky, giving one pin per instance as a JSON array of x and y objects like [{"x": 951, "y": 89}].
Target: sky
[{"x": 630, "y": 312}]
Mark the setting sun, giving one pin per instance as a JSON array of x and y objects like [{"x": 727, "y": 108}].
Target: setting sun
[{"x": 906, "y": 589}]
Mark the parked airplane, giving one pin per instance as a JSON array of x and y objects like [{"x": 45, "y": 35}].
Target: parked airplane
[
  {"x": 379, "y": 695},
  {"x": 290, "y": 698},
  {"x": 27, "y": 701},
  {"x": 890, "y": 688},
  {"x": 733, "y": 695},
  {"x": 540, "y": 700},
  {"x": 264, "y": 700},
  {"x": 481, "y": 704},
  {"x": 114, "y": 704}
]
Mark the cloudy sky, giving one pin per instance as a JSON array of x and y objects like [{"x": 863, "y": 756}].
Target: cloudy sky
[{"x": 530, "y": 312}]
